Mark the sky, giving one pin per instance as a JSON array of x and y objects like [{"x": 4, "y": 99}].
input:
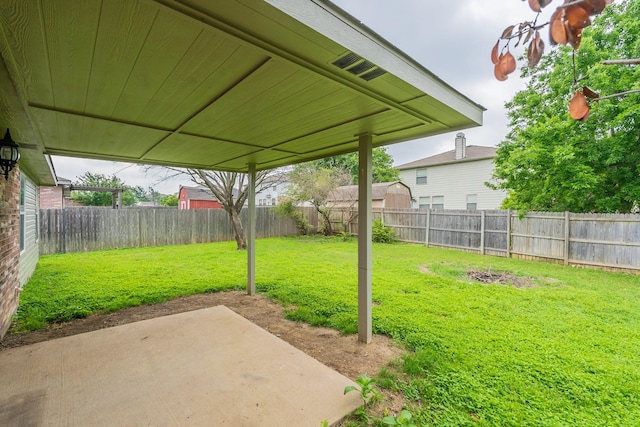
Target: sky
[{"x": 452, "y": 39}]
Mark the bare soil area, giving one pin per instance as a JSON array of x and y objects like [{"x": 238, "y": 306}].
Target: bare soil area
[
  {"x": 490, "y": 277},
  {"x": 342, "y": 353}
]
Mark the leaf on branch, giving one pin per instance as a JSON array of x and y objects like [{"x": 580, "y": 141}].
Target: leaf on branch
[
  {"x": 529, "y": 34},
  {"x": 505, "y": 66},
  {"x": 494, "y": 53},
  {"x": 557, "y": 30},
  {"x": 577, "y": 17},
  {"x": 574, "y": 36},
  {"x": 589, "y": 93},
  {"x": 498, "y": 74},
  {"x": 508, "y": 32},
  {"x": 536, "y": 50},
  {"x": 537, "y": 5},
  {"x": 579, "y": 107},
  {"x": 521, "y": 29}
]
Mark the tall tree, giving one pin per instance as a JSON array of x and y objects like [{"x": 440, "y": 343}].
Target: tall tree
[
  {"x": 313, "y": 183},
  {"x": 551, "y": 162},
  {"x": 382, "y": 165},
  {"x": 101, "y": 198},
  {"x": 232, "y": 190}
]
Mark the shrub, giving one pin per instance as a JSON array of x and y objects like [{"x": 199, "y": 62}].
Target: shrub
[
  {"x": 381, "y": 233},
  {"x": 288, "y": 208}
]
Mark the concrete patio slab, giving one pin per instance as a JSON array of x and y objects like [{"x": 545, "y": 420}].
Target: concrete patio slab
[{"x": 206, "y": 367}]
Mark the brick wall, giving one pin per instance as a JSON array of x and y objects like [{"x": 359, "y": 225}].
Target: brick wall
[
  {"x": 51, "y": 197},
  {"x": 9, "y": 247}
]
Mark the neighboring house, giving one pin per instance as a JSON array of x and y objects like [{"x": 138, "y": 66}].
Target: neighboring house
[
  {"x": 454, "y": 179},
  {"x": 383, "y": 195},
  {"x": 273, "y": 190},
  {"x": 197, "y": 198},
  {"x": 58, "y": 197}
]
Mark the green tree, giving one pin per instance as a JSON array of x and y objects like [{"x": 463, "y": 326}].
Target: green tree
[
  {"x": 382, "y": 165},
  {"x": 170, "y": 200},
  {"x": 313, "y": 183},
  {"x": 101, "y": 198},
  {"x": 146, "y": 195},
  {"x": 553, "y": 163},
  {"x": 231, "y": 189}
]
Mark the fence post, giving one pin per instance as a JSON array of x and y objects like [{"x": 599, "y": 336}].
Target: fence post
[
  {"x": 482, "y": 222},
  {"x": 508, "y": 233},
  {"x": 566, "y": 237},
  {"x": 428, "y": 225}
]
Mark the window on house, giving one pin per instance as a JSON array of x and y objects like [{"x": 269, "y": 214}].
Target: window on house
[
  {"x": 273, "y": 201},
  {"x": 472, "y": 202},
  {"x": 424, "y": 202},
  {"x": 274, "y": 188},
  {"x": 437, "y": 202},
  {"x": 22, "y": 212},
  {"x": 421, "y": 176}
]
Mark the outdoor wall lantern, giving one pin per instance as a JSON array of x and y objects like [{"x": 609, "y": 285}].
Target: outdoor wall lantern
[{"x": 9, "y": 154}]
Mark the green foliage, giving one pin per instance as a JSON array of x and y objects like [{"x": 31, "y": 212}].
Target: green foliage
[
  {"x": 550, "y": 162},
  {"x": 345, "y": 235},
  {"x": 380, "y": 233},
  {"x": 403, "y": 419},
  {"x": 145, "y": 195},
  {"x": 170, "y": 200},
  {"x": 288, "y": 209},
  {"x": 381, "y": 161},
  {"x": 314, "y": 184},
  {"x": 102, "y": 198},
  {"x": 368, "y": 394},
  {"x": 563, "y": 352}
]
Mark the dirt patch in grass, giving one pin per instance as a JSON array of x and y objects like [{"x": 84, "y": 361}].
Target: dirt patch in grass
[
  {"x": 342, "y": 353},
  {"x": 493, "y": 277},
  {"x": 424, "y": 269}
]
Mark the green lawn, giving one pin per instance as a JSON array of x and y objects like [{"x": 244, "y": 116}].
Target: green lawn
[{"x": 564, "y": 352}]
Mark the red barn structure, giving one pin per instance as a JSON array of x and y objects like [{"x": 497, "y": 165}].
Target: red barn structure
[{"x": 197, "y": 198}]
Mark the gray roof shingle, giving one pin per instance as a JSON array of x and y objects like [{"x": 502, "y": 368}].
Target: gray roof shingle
[{"x": 474, "y": 152}]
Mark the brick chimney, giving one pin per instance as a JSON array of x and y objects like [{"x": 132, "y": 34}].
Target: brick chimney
[{"x": 461, "y": 146}]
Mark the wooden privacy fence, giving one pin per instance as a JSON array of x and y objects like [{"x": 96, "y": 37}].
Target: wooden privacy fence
[
  {"x": 89, "y": 229},
  {"x": 601, "y": 240}
]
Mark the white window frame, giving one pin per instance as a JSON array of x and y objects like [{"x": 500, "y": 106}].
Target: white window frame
[
  {"x": 424, "y": 202},
  {"x": 472, "y": 202},
  {"x": 437, "y": 202},
  {"x": 421, "y": 175}
]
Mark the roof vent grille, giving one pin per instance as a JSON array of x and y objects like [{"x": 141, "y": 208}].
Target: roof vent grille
[
  {"x": 361, "y": 67},
  {"x": 358, "y": 66},
  {"x": 347, "y": 60},
  {"x": 373, "y": 74}
]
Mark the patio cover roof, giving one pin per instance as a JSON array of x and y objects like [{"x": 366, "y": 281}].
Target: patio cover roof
[{"x": 208, "y": 84}]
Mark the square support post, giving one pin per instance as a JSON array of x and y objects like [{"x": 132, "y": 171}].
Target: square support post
[
  {"x": 364, "y": 238},
  {"x": 251, "y": 233}
]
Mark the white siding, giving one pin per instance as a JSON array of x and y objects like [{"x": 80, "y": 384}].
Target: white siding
[
  {"x": 30, "y": 254},
  {"x": 455, "y": 181}
]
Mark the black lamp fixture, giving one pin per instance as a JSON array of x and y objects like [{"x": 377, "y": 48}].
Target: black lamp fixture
[{"x": 9, "y": 154}]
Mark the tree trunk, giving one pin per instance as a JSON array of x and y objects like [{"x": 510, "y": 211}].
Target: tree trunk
[
  {"x": 238, "y": 230},
  {"x": 325, "y": 214}
]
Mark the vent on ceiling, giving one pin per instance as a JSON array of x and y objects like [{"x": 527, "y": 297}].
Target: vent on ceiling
[
  {"x": 349, "y": 59},
  {"x": 359, "y": 66}
]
